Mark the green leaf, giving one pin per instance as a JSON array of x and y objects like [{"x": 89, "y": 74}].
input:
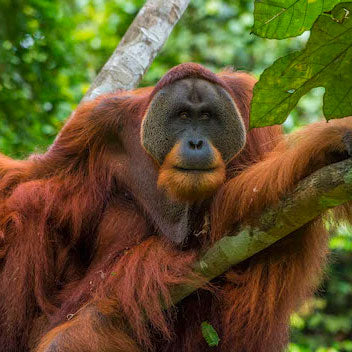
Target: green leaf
[
  {"x": 325, "y": 62},
  {"x": 210, "y": 335},
  {"x": 278, "y": 19}
]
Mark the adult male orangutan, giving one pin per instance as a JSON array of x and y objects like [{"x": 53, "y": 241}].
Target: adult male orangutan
[{"x": 95, "y": 232}]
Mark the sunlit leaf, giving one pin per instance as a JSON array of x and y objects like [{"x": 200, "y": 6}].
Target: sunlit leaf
[
  {"x": 280, "y": 19},
  {"x": 325, "y": 62}
]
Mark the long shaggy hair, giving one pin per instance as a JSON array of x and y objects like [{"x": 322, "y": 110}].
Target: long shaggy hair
[{"x": 79, "y": 263}]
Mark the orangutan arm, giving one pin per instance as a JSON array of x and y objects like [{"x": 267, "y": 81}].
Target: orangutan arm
[
  {"x": 120, "y": 314},
  {"x": 265, "y": 182},
  {"x": 263, "y": 291}
]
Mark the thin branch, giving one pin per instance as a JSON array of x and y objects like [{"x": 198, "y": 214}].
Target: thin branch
[
  {"x": 328, "y": 187},
  {"x": 141, "y": 43}
]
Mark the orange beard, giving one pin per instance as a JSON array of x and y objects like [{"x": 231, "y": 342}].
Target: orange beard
[{"x": 190, "y": 185}]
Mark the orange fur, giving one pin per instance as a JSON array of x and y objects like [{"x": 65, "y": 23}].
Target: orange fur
[
  {"x": 87, "y": 337},
  {"x": 74, "y": 245},
  {"x": 190, "y": 186},
  {"x": 294, "y": 157}
]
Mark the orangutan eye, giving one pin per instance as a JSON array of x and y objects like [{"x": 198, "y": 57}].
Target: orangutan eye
[
  {"x": 184, "y": 115},
  {"x": 205, "y": 116}
]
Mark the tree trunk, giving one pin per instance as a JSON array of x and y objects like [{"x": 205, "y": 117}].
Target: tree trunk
[{"x": 142, "y": 42}]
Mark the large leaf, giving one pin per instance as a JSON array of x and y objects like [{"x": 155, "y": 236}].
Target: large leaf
[
  {"x": 325, "y": 62},
  {"x": 278, "y": 19}
]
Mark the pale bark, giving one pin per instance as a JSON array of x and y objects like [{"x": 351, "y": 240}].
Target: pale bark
[
  {"x": 327, "y": 188},
  {"x": 137, "y": 49}
]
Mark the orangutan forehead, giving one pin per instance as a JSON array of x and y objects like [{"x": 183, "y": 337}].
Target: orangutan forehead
[
  {"x": 188, "y": 71},
  {"x": 195, "y": 90}
]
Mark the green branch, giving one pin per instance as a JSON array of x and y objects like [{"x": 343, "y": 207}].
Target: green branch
[{"x": 328, "y": 187}]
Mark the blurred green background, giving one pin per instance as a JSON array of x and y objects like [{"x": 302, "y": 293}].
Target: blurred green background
[{"x": 50, "y": 51}]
